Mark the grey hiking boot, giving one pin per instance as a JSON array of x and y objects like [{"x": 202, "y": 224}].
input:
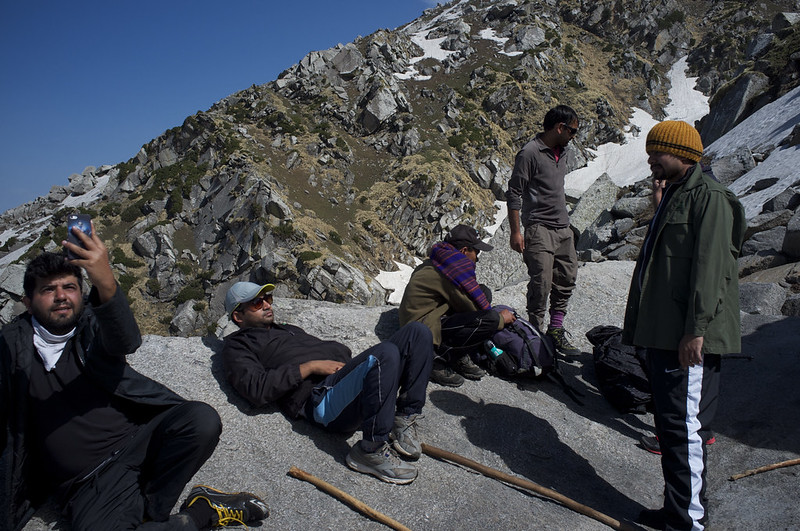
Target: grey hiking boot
[
  {"x": 404, "y": 436},
  {"x": 561, "y": 340},
  {"x": 467, "y": 368},
  {"x": 383, "y": 463}
]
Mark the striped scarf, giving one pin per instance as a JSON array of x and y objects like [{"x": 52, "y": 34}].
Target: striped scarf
[{"x": 459, "y": 270}]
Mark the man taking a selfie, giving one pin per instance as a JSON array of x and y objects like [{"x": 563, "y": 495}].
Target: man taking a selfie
[{"x": 114, "y": 447}]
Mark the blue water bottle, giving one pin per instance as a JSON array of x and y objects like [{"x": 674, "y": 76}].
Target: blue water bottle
[{"x": 492, "y": 349}]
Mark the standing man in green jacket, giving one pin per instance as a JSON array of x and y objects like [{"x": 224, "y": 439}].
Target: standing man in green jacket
[{"x": 683, "y": 307}]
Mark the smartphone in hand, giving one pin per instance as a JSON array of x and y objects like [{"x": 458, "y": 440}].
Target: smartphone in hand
[{"x": 84, "y": 223}]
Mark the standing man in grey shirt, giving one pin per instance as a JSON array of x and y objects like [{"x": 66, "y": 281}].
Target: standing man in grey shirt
[{"x": 536, "y": 188}]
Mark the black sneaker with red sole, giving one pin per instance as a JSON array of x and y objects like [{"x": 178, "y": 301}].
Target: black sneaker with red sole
[{"x": 652, "y": 445}]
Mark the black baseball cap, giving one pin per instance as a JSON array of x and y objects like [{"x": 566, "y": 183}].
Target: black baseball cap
[{"x": 465, "y": 236}]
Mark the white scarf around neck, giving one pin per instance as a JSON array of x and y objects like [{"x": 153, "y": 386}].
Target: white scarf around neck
[{"x": 48, "y": 345}]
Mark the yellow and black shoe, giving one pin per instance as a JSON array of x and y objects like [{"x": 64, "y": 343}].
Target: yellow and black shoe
[{"x": 239, "y": 508}]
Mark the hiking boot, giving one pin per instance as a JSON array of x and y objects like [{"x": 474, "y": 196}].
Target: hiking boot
[
  {"x": 652, "y": 445},
  {"x": 240, "y": 508},
  {"x": 444, "y": 375},
  {"x": 561, "y": 340},
  {"x": 383, "y": 463},
  {"x": 467, "y": 368},
  {"x": 404, "y": 436}
]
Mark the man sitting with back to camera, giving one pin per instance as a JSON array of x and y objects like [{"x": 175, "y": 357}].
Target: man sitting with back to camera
[
  {"x": 115, "y": 447},
  {"x": 444, "y": 294},
  {"x": 317, "y": 380}
]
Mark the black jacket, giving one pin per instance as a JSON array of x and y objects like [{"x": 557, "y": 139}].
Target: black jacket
[
  {"x": 263, "y": 364},
  {"x": 105, "y": 334}
]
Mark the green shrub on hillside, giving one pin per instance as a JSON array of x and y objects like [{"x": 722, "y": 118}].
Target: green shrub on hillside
[
  {"x": 133, "y": 212},
  {"x": 283, "y": 231},
  {"x": 284, "y": 123},
  {"x": 230, "y": 145},
  {"x": 675, "y": 17},
  {"x": 110, "y": 209},
  {"x": 153, "y": 286},
  {"x": 126, "y": 282},
  {"x": 193, "y": 291},
  {"x": 308, "y": 256},
  {"x": 126, "y": 168},
  {"x": 335, "y": 238},
  {"x": 323, "y": 129},
  {"x": 118, "y": 257}
]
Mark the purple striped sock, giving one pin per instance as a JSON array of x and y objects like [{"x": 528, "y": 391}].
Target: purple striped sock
[{"x": 556, "y": 319}]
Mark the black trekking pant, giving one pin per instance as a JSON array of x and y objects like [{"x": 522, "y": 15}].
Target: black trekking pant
[
  {"x": 464, "y": 333},
  {"x": 364, "y": 393},
  {"x": 684, "y": 403},
  {"x": 142, "y": 482}
]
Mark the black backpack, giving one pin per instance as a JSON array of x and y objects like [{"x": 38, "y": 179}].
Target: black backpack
[{"x": 620, "y": 369}]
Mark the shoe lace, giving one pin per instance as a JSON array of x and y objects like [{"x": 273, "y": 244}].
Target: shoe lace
[
  {"x": 225, "y": 515},
  {"x": 410, "y": 422},
  {"x": 561, "y": 335},
  {"x": 229, "y": 516},
  {"x": 388, "y": 452}
]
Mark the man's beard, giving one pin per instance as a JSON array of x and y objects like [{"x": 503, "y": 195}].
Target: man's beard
[{"x": 59, "y": 325}]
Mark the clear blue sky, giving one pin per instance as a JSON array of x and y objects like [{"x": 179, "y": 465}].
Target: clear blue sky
[{"x": 87, "y": 83}]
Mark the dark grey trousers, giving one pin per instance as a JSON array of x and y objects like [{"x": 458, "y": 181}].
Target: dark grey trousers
[{"x": 552, "y": 268}]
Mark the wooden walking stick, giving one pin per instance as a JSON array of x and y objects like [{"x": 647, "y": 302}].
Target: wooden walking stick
[
  {"x": 493, "y": 473},
  {"x": 765, "y": 468},
  {"x": 356, "y": 504}
]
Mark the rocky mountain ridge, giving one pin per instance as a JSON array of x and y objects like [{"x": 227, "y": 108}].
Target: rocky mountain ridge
[{"x": 361, "y": 155}]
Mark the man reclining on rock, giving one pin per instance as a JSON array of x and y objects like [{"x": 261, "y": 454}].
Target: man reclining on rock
[
  {"x": 444, "y": 295},
  {"x": 113, "y": 446},
  {"x": 317, "y": 380}
]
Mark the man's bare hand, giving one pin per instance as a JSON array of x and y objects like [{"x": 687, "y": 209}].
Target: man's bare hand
[
  {"x": 690, "y": 351},
  {"x": 508, "y": 316},
  {"x": 658, "y": 191},
  {"x": 517, "y": 242},
  {"x": 319, "y": 367},
  {"x": 92, "y": 256}
]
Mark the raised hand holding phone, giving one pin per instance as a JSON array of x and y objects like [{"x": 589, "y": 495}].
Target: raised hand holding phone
[
  {"x": 82, "y": 222},
  {"x": 86, "y": 250}
]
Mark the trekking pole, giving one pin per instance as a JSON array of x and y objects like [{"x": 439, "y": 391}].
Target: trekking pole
[
  {"x": 493, "y": 473},
  {"x": 765, "y": 468},
  {"x": 355, "y": 503}
]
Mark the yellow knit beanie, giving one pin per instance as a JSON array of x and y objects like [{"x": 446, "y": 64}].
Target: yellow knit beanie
[{"x": 677, "y": 138}]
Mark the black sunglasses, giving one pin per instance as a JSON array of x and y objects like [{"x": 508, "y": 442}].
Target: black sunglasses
[
  {"x": 572, "y": 130},
  {"x": 256, "y": 304}
]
